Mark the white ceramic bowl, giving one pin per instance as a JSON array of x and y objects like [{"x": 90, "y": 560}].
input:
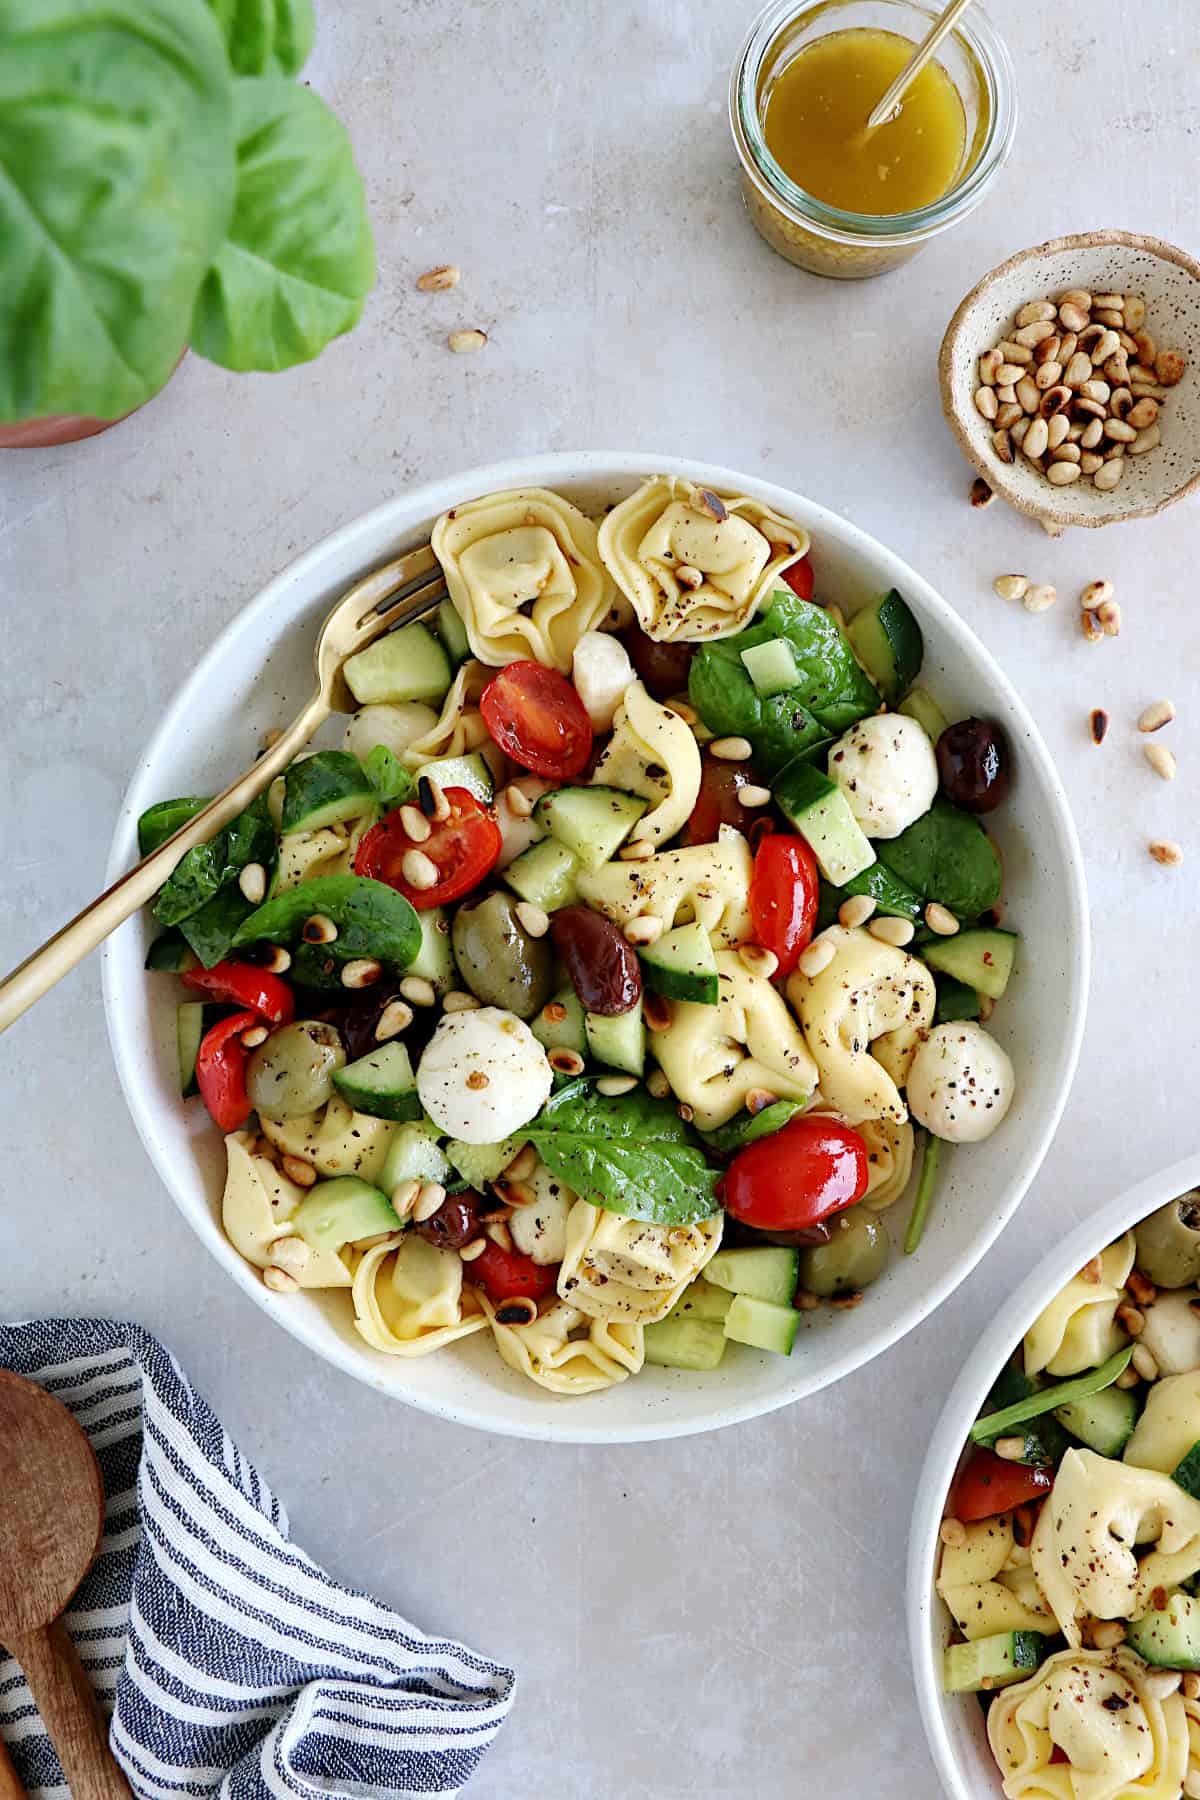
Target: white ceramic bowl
[
  {"x": 954, "y": 1722},
  {"x": 257, "y": 674}
]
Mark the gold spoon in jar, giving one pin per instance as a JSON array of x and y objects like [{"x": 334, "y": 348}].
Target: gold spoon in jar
[{"x": 923, "y": 53}]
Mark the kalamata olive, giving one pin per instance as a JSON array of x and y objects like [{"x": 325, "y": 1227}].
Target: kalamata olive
[
  {"x": 854, "y": 1257},
  {"x": 455, "y": 1222},
  {"x": 662, "y": 668},
  {"x": 1168, "y": 1242},
  {"x": 292, "y": 1073},
  {"x": 603, "y": 968},
  {"x": 498, "y": 960},
  {"x": 717, "y": 803},
  {"x": 357, "y": 1012},
  {"x": 973, "y": 764}
]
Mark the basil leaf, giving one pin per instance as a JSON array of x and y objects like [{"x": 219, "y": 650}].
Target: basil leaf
[
  {"x": 116, "y": 189},
  {"x": 265, "y": 36},
  {"x": 162, "y": 820},
  {"x": 372, "y": 919},
  {"x": 629, "y": 1154},
  {"x": 388, "y": 776},
  {"x": 299, "y": 259},
  {"x": 203, "y": 871},
  {"x": 947, "y": 856},
  {"x": 747, "y": 1128}
]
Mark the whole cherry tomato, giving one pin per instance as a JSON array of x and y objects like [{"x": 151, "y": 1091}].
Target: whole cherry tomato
[
  {"x": 717, "y": 803},
  {"x": 989, "y": 1485},
  {"x": 221, "y": 1070},
  {"x": 507, "y": 1275},
  {"x": 242, "y": 984},
  {"x": 783, "y": 897},
  {"x": 538, "y": 719},
  {"x": 800, "y": 578},
  {"x": 795, "y": 1177},
  {"x": 462, "y": 848}
]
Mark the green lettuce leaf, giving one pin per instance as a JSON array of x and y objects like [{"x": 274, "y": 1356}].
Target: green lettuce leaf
[
  {"x": 629, "y": 1154},
  {"x": 266, "y": 37},
  {"x": 299, "y": 259}
]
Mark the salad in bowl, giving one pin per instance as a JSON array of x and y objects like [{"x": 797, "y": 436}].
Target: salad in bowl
[{"x": 601, "y": 991}]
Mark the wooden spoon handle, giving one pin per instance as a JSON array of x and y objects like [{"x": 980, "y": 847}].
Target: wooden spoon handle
[
  {"x": 70, "y": 1712},
  {"x": 10, "y": 1786}
]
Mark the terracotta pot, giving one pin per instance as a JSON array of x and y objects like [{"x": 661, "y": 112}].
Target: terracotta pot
[{"x": 64, "y": 428}]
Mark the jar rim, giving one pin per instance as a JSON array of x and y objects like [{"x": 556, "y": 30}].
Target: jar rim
[{"x": 991, "y": 53}]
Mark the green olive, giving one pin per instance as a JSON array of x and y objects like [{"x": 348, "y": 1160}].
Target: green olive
[
  {"x": 1168, "y": 1242},
  {"x": 854, "y": 1257},
  {"x": 499, "y": 961},
  {"x": 292, "y": 1073}
]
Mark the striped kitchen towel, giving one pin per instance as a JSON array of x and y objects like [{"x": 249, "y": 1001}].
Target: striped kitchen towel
[{"x": 231, "y": 1663}]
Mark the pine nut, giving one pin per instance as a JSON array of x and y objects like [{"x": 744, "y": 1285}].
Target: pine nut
[
  {"x": 1142, "y": 414},
  {"x": 1072, "y": 316},
  {"x": 253, "y": 882},
  {"x": 1089, "y": 462},
  {"x": 1079, "y": 298},
  {"x": 1156, "y": 715},
  {"x": 1092, "y": 434},
  {"x": 1010, "y": 1449},
  {"x": 470, "y": 1251},
  {"x": 1146, "y": 390},
  {"x": 730, "y": 749},
  {"x": 1169, "y": 366},
  {"x": 613, "y": 1085},
  {"x": 1019, "y": 430},
  {"x": 1128, "y": 1378},
  {"x": 1048, "y": 376},
  {"x": 1074, "y": 432},
  {"x": 361, "y": 972},
  {"x": 1040, "y": 597},
  {"x": 1107, "y": 478},
  {"x": 1054, "y": 400},
  {"x": 1036, "y": 439},
  {"x": 416, "y": 989},
  {"x": 1167, "y": 852},
  {"x": 986, "y": 402},
  {"x": 1058, "y": 430},
  {"x": 419, "y": 871},
  {"x": 320, "y": 929},
  {"x": 1006, "y": 394},
  {"x": 1133, "y": 1319},
  {"x": 1127, "y": 343},
  {"x": 404, "y": 1196},
  {"x": 534, "y": 921},
  {"x": 1068, "y": 452},
  {"x": 1078, "y": 370},
  {"x": 1116, "y": 370},
  {"x": 1143, "y": 1291},
  {"x": 395, "y": 1018},
  {"x": 565, "y": 1062},
  {"x": 1048, "y": 350},
  {"x": 291, "y": 1254},
  {"x": 459, "y": 1001},
  {"x": 436, "y": 281},
  {"x": 1030, "y": 336},
  {"x": 892, "y": 931},
  {"x": 1134, "y": 308},
  {"x": 1107, "y": 1634},
  {"x": 1008, "y": 415},
  {"x": 656, "y": 1011},
  {"x": 1002, "y": 445},
  {"x": 1016, "y": 356},
  {"x": 1099, "y": 725},
  {"x": 816, "y": 958},
  {"x": 760, "y": 962},
  {"x": 641, "y": 850},
  {"x": 1108, "y": 613},
  {"x": 645, "y": 929},
  {"x": 279, "y": 1281},
  {"x": 431, "y": 1197},
  {"x": 1008, "y": 374},
  {"x": 1028, "y": 394},
  {"x": 433, "y": 802},
  {"x": 464, "y": 342},
  {"x": 1096, "y": 593},
  {"x": 1034, "y": 311},
  {"x": 1147, "y": 349},
  {"x": 1149, "y": 439},
  {"x": 1108, "y": 346},
  {"x": 1096, "y": 390},
  {"x": 953, "y": 1532},
  {"x": 758, "y": 1100},
  {"x": 1061, "y": 474},
  {"x": 753, "y": 796},
  {"x": 989, "y": 362},
  {"x": 657, "y": 1085},
  {"x": 1011, "y": 587},
  {"x": 256, "y": 1035},
  {"x": 1093, "y": 631},
  {"x": 691, "y": 578},
  {"x": 940, "y": 919},
  {"x": 855, "y": 911}
]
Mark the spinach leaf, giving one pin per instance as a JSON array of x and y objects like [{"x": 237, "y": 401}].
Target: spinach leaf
[
  {"x": 202, "y": 872},
  {"x": 630, "y": 1154},
  {"x": 299, "y": 259},
  {"x": 265, "y": 36},
  {"x": 890, "y": 894},
  {"x": 947, "y": 856},
  {"x": 210, "y": 930},
  {"x": 747, "y": 1128},
  {"x": 388, "y": 776},
  {"x": 116, "y": 189},
  {"x": 162, "y": 820},
  {"x": 372, "y": 919}
]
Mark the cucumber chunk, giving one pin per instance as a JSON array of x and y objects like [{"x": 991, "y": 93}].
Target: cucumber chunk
[
  {"x": 470, "y": 772},
  {"x": 982, "y": 958},
  {"x": 325, "y": 789},
  {"x": 1104, "y": 1422},
  {"x": 921, "y": 706},
  {"x": 545, "y": 875},
  {"x": 381, "y": 1083},
  {"x": 566, "y": 1033},
  {"x": 769, "y": 1274},
  {"x": 341, "y": 1211},
  {"x": 1171, "y": 1638},
  {"x": 1060, "y": 1393},
  {"x": 592, "y": 822},
  {"x": 479, "y": 1164},
  {"x": 453, "y": 632},
  {"x": 189, "y": 1029},
  {"x": 685, "y": 1343},
  {"x": 955, "y": 1000},
  {"x": 772, "y": 667},
  {"x": 762, "y": 1325},
  {"x": 701, "y": 1300},
  {"x": 821, "y": 814},
  {"x": 435, "y": 956},
  {"x": 620, "y": 1042},
  {"x": 682, "y": 966},
  {"x": 887, "y": 642},
  {"x": 413, "y": 1154},
  {"x": 408, "y": 664},
  {"x": 997, "y": 1661}
]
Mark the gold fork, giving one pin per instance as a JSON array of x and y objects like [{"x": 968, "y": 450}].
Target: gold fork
[{"x": 391, "y": 596}]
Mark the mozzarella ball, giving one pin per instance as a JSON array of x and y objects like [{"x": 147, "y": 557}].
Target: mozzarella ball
[
  {"x": 960, "y": 1085},
  {"x": 601, "y": 671},
  {"x": 394, "y": 724},
  {"x": 483, "y": 1075},
  {"x": 886, "y": 767}
]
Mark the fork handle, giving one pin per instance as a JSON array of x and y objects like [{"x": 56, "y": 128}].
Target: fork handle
[{"x": 59, "y": 955}]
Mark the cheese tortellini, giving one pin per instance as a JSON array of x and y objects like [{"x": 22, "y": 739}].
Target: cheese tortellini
[
  {"x": 459, "y": 727},
  {"x": 1079, "y": 1329},
  {"x": 696, "y": 564},
  {"x": 715, "y": 1056},
  {"x": 567, "y": 1352},
  {"x": 653, "y": 753},
  {"x": 1084, "y": 1543},
  {"x": 305, "y": 855},
  {"x": 524, "y": 571},
  {"x": 1099, "y": 1710},
  {"x": 409, "y": 1297},
  {"x": 629, "y": 1270},
  {"x": 256, "y": 1211},
  {"x": 335, "y": 1139},
  {"x": 988, "y": 1584},
  {"x": 708, "y": 882},
  {"x": 870, "y": 994},
  {"x": 889, "y": 1161},
  {"x": 1169, "y": 1425}
]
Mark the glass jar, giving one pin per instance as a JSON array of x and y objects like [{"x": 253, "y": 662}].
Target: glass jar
[{"x": 850, "y": 245}]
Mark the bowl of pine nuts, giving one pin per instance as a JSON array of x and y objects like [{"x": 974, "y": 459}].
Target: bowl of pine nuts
[{"x": 1070, "y": 376}]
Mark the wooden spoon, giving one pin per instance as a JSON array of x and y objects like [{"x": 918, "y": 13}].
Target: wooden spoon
[{"x": 51, "y": 1524}]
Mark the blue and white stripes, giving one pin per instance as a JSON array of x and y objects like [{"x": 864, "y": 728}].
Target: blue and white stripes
[{"x": 232, "y": 1664}]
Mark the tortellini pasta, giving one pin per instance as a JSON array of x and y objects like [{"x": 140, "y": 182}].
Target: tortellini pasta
[
  {"x": 889, "y": 1161},
  {"x": 861, "y": 1010},
  {"x": 652, "y": 753},
  {"x": 708, "y": 882},
  {"x": 305, "y": 855},
  {"x": 1079, "y": 1329},
  {"x": 1087, "y": 1532},
  {"x": 256, "y": 1211},
  {"x": 629, "y": 1270},
  {"x": 696, "y": 564},
  {"x": 1169, "y": 1425},
  {"x": 715, "y": 1056},
  {"x": 409, "y": 1297},
  {"x": 524, "y": 571},
  {"x": 1097, "y": 1708},
  {"x": 568, "y": 1353},
  {"x": 459, "y": 727},
  {"x": 335, "y": 1139},
  {"x": 988, "y": 1584}
]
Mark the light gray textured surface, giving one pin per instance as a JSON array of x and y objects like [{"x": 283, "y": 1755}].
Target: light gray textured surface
[{"x": 719, "y": 1616}]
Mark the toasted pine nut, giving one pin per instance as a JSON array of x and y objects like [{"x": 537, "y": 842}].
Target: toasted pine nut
[
  {"x": 1079, "y": 298},
  {"x": 986, "y": 402},
  {"x": 1156, "y": 715},
  {"x": 253, "y": 882},
  {"x": 278, "y": 960},
  {"x": 1029, "y": 394},
  {"x": 1109, "y": 615},
  {"x": 433, "y": 801},
  {"x": 1144, "y": 413},
  {"x": 989, "y": 362},
  {"x": 1091, "y": 435},
  {"x": 430, "y": 1199},
  {"x": 656, "y": 1011},
  {"x": 470, "y": 1251},
  {"x": 758, "y": 1099},
  {"x": 1068, "y": 452},
  {"x": 953, "y": 1532},
  {"x": 640, "y": 850},
  {"x": 1144, "y": 1363},
  {"x": 1107, "y": 1634},
  {"x": 981, "y": 494},
  {"x": 1143, "y": 1291},
  {"x": 1034, "y": 312},
  {"x": 395, "y": 1018},
  {"x": 1002, "y": 445},
  {"x": 1095, "y": 594},
  {"x": 1089, "y": 462},
  {"x": 1049, "y": 375},
  {"x": 1108, "y": 477},
  {"x": 361, "y": 972},
  {"x": 1072, "y": 316},
  {"x": 817, "y": 957},
  {"x": 436, "y": 281},
  {"x": 1119, "y": 431},
  {"x": 517, "y": 801},
  {"x": 1010, "y": 1449},
  {"x": 1040, "y": 597},
  {"x": 613, "y": 1085},
  {"x": 533, "y": 919},
  {"x": 730, "y": 749},
  {"x": 657, "y": 1085},
  {"x": 1061, "y": 474},
  {"x": 256, "y": 1035},
  {"x": 1161, "y": 760},
  {"x": 645, "y": 929},
  {"x": 464, "y": 342},
  {"x": 565, "y": 1062},
  {"x": 418, "y": 991},
  {"x": 420, "y": 871},
  {"x": 320, "y": 929},
  {"x": 940, "y": 919},
  {"x": 1169, "y": 366},
  {"x": 1133, "y": 1319},
  {"x": 416, "y": 825},
  {"x": 1149, "y": 439},
  {"x": 760, "y": 962},
  {"x": 752, "y": 796},
  {"x": 299, "y": 1171},
  {"x": 404, "y": 1196},
  {"x": 1011, "y": 587},
  {"x": 1036, "y": 439},
  {"x": 1093, "y": 631},
  {"x": 458, "y": 1000},
  {"x": 1099, "y": 724},
  {"x": 892, "y": 931},
  {"x": 279, "y": 1281},
  {"x": 855, "y": 911},
  {"x": 1167, "y": 852}
]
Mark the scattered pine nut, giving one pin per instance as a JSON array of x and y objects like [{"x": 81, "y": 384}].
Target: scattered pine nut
[
  {"x": 758, "y": 1099},
  {"x": 458, "y": 1000},
  {"x": 1133, "y": 1319},
  {"x": 1156, "y": 715},
  {"x": 892, "y": 931},
  {"x": 361, "y": 972},
  {"x": 256, "y": 1035},
  {"x": 941, "y": 920},
  {"x": 981, "y": 493},
  {"x": 433, "y": 803},
  {"x": 645, "y": 929},
  {"x": 1109, "y": 615},
  {"x": 320, "y": 929},
  {"x": 566, "y": 1062},
  {"x": 278, "y": 960},
  {"x": 470, "y": 1251},
  {"x": 416, "y": 825},
  {"x": 753, "y": 796},
  {"x": 1099, "y": 725},
  {"x": 656, "y": 1011},
  {"x": 1167, "y": 852},
  {"x": 640, "y": 850},
  {"x": 613, "y": 1085},
  {"x": 534, "y": 921},
  {"x": 1040, "y": 597},
  {"x": 657, "y": 1085},
  {"x": 855, "y": 911},
  {"x": 817, "y": 957},
  {"x": 416, "y": 989},
  {"x": 430, "y": 1199},
  {"x": 517, "y": 801},
  {"x": 395, "y": 1018},
  {"x": 1010, "y": 1449},
  {"x": 1093, "y": 631},
  {"x": 436, "y": 281},
  {"x": 1108, "y": 1633},
  {"x": 279, "y": 1281},
  {"x": 253, "y": 883},
  {"x": 1011, "y": 587},
  {"x": 464, "y": 342},
  {"x": 686, "y": 1112},
  {"x": 1161, "y": 760},
  {"x": 420, "y": 871},
  {"x": 522, "y": 1165},
  {"x": 499, "y": 1233},
  {"x": 759, "y": 961},
  {"x": 730, "y": 749},
  {"x": 1095, "y": 594},
  {"x": 404, "y": 1197}
]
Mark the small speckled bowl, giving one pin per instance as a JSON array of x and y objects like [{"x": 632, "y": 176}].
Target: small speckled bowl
[{"x": 1102, "y": 262}]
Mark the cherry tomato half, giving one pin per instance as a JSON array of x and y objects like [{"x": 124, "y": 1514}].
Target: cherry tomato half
[
  {"x": 221, "y": 1070},
  {"x": 800, "y": 578},
  {"x": 538, "y": 719},
  {"x": 462, "y": 848},
  {"x": 242, "y": 984},
  {"x": 717, "y": 803},
  {"x": 783, "y": 897},
  {"x": 990, "y": 1485},
  {"x": 507, "y": 1275},
  {"x": 798, "y": 1176}
]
